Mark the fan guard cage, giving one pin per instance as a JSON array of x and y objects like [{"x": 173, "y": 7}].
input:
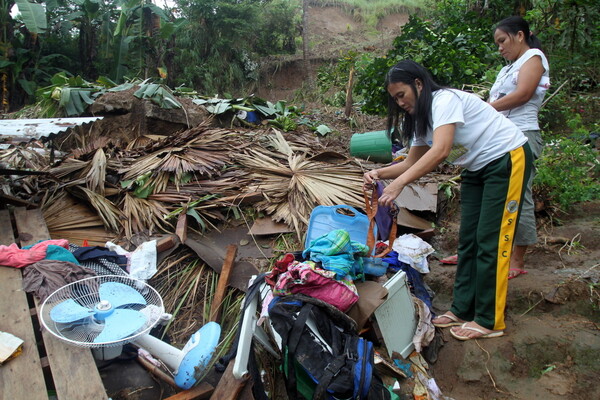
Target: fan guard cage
[{"x": 85, "y": 292}]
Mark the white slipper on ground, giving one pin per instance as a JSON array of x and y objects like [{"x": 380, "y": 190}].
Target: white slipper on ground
[
  {"x": 453, "y": 318},
  {"x": 484, "y": 335}
]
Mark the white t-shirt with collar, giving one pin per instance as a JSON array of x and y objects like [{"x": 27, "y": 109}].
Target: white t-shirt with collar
[{"x": 482, "y": 134}]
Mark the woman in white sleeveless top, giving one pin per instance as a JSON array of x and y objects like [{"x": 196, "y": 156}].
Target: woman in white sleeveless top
[{"x": 518, "y": 94}]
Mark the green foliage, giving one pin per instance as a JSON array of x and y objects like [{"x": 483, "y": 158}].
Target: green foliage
[
  {"x": 568, "y": 172},
  {"x": 33, "y": 14},
  {"x": 570, "y": 36},
  {"x": 159, "y": 94},
  {"x": 219, "y": 47},
  {"x": 456, "y": 54}
]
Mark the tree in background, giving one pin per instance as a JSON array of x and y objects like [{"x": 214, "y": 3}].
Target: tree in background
[{"x": 218, "y": 48}]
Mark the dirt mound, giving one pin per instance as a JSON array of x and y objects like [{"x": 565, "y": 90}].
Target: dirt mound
[{"x": 332, "y": 32}]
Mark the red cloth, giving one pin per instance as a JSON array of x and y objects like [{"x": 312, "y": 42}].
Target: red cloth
[
  {"x": 281, "y": 266},
  {"x": 13, "y": 256}
]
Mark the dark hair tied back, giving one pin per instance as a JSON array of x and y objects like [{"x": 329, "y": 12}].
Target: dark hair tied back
[{"x": 512, "y": 25}]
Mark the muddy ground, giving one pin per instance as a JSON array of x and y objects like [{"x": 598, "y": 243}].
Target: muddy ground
[{"x": 552, "y": 345}]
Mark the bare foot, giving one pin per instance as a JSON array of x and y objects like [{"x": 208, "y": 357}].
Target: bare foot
[
  {"x": 472, "y": 330},
  {"x": 447, "y": 319}
]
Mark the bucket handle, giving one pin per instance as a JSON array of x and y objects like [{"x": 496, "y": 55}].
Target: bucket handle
[{"x": 346, "y": 207}]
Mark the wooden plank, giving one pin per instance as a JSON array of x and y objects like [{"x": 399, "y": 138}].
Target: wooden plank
[
  {"x": 7, "y": 236},
  {"x": 73, "y": 369},
  {"x": 229, "y": 387},
  {"x": 202, "y": 391},
  {"x": 22, "y": 377},
  {"x": 215, "y": 309}
]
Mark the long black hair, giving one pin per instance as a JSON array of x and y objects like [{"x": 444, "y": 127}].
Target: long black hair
[
  {"x": 407, "y": 72},
  {"x": 512, "y": 26}
]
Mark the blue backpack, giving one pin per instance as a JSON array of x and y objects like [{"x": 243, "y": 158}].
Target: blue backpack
[{"x": 323, "y": 356}]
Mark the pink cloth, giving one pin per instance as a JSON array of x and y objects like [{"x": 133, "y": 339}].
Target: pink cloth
[
  {"x": 308, "y": 279},
  {"x": 13, "y": 256}
]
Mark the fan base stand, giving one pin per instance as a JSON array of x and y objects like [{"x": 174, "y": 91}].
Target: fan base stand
[{"x": 107, "y": 353}]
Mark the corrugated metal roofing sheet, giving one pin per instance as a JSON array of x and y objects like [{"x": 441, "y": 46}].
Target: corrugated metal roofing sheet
[{"x": 24, "y": 130}]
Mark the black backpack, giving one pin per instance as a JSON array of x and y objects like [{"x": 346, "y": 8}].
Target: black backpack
[{"x": 327, "y": 361}]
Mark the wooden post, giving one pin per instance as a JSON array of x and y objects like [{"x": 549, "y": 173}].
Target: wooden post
[
  {"x": 215, "y": 309},
  {"x": 348, "y": 108}
]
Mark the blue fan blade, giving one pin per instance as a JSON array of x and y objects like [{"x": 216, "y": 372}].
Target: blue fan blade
[
  {"x": 69, "y": 311},
  {"x": 121, "y": 324},
  {"x": 119, "y": 294}
]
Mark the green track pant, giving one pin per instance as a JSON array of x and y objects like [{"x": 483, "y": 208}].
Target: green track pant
[{"x": 490, "y": 203}]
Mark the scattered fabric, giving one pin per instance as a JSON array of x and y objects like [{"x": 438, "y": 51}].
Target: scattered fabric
[
  {"x": 281, "y": 266},
  {"x": 142, "y": 263},
  {"x": 308, "y": 279},
  {"x": 99, "y": 252},
  {"x": 100, "y": 266},
  {"x": 13, "y": 256},
  {"x": 384, "y": 217},
  {"x": 337, "y": 253},
  {"x": 425, "y": 331},
  {"x": 58, "y": 253},
  {"x": 413, "y": 251},
  {"x": 44, "y": 277}
]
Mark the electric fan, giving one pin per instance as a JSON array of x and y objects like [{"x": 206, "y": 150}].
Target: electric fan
[{"x": 105, "y": 312}]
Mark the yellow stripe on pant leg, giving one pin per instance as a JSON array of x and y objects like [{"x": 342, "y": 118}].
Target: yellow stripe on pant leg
[{"x": 507, "y": 232}]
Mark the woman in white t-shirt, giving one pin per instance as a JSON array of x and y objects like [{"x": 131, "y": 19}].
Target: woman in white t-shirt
[
  {"x": 518, "y": 94},
  {"x": 458, "y": 127}
]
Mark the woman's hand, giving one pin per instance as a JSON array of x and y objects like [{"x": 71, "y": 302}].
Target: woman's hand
[
  {"x": 390, "y": 193},
  {"x": 369, "y": 178}
]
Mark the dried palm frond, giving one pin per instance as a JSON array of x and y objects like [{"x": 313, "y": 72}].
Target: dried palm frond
[
  {"x": 293, "y": 189},
  {"x": 143, "y": 215},
  {"x": 96, "y": 144},
  {"x": 68, "y": 167},
  {"x": 203, "y": 136},
  {"x": 229, "y": 184},
  {"x": 108, "y": 212},
  {"x": 175, "y": 163},
  {"x": 96, "y": 173},
  {"x": 290, "y": 143},
  {"x": 25, "y": 158},
  {"x": 143, "y": 141},
  {"x": 62, "y": 211},
  {"x": 67, "y": 218}
]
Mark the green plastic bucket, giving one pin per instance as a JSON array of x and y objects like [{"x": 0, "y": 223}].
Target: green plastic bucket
[{"x": 374, "y": 146}]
